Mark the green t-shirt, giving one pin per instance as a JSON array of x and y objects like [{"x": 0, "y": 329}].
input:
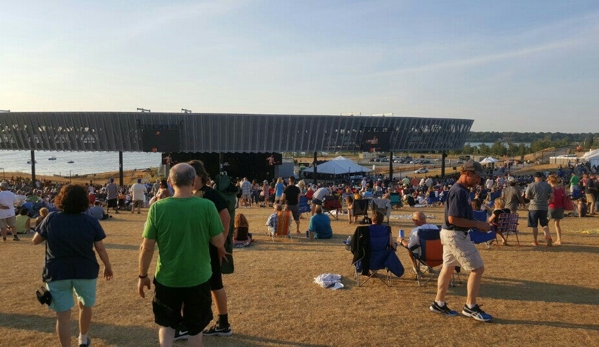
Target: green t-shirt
[
  {"x": 574, "y": 181},
  {"x": 182, "y": 228}
]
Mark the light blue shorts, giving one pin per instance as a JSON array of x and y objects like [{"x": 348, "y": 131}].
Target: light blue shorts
[{"x": 62, "y": 293}]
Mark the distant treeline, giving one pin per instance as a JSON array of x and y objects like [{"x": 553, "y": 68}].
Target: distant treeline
[
  {"x": 493, "y": 136},
  {"x": 512, "y": 144}
]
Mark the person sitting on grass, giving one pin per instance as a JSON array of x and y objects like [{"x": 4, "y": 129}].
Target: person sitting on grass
[
  {"x": 23, "y": 223},
  {"x": 320, "y": 225},
  {"x": 241, "y": 236},
  {"x": 494, "y": 219}
]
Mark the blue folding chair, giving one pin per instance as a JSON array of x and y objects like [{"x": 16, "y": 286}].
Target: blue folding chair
[{"x": 381, "y": 256}]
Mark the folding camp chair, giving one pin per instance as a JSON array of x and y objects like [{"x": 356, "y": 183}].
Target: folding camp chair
[
  {"x": 429, "y": 255},
  {"x": 395, "y": 199},
  {"x": 508, "y": 224},
  {"x": 382, "y": 205},
  {"x": 303, "y": 206},
  {"x": 360, "y": 208},
  {"x": 482, "y": 237},
  {"x": 331, "y": 203},
  {"x": 373, "y": 253},
  {"x": 432, "y": 200},
  {"x": 284, "y": 221}
]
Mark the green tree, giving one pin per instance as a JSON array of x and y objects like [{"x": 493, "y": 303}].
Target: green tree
[
  {"x": 498, "y": 149},
  {"x": 483, "y": 149}
]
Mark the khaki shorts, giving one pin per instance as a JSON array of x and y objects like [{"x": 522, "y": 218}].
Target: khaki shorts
[
  {"x": 8, "y": 222},
  {"x": 590, "y": 198},
  {"x": 458, "y": 250}
]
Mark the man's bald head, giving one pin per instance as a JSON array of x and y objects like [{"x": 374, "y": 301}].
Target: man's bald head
[
  {"x": 419, "y": 218},
  {"x": 182, "y": 175}
]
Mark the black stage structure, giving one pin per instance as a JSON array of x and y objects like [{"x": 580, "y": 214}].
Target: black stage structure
[{"x": 245, "y": 141}]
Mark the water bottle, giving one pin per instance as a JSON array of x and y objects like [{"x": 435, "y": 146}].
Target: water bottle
[
  {"x": 401, "y": 234},
  {"x": 348, "y": 240}
]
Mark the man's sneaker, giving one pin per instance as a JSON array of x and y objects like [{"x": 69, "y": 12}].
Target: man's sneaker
[
  {"x": 476, "y": 313},
  {"x": 16, "y": 238},
  {"x": 181, "y": 334},
  {"x": 444, "y": 310},
  {"x": 87, "y": 344},
  {"x": 215, "y": 330}
]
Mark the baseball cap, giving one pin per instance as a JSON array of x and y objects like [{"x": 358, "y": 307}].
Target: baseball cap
[
  {"x": 475, "y": 166},
  {"x": 539, "y": 174},
  {"x": 4, "y": 184}
]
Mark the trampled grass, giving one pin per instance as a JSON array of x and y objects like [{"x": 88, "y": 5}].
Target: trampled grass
[{"x": 539, "y": 296}]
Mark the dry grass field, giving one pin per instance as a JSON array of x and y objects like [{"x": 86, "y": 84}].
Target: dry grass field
[{"x": 539, "y": 296}]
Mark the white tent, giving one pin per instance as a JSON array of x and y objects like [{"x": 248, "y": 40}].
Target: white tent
[
  {"x": 488, "y": 160},
  {"x": 592, "y": 157},
  {"x": 339, "y": 166}
]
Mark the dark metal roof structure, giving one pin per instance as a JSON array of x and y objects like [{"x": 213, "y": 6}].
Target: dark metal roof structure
[{"x": 214, "y": 132}]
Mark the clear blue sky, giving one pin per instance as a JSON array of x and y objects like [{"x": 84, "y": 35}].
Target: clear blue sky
[{"x": 509, "y": 65}]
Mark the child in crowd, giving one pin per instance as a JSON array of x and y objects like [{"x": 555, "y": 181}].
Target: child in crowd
[
  {"x": 241, "y": 235},
  {"x": 271, "y": 222},
  {"x": 494, "y": 219},
  {"x": 43, "y": 214},
  {"x": 349, "y": 201}
]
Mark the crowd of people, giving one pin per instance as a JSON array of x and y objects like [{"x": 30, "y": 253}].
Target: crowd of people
[{"x": 66, "y": 216}]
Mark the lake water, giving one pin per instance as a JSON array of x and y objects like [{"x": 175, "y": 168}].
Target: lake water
[{"x": 83, "y": 162}]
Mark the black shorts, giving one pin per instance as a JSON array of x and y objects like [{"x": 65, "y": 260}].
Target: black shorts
[
  {"x": 111, "y": 203},
  {"x": 317, "y": 202},
  {"x": 216, "y": 281},
  {"x": 294, "y": 211},
  {"x": 196, "y": 303}
]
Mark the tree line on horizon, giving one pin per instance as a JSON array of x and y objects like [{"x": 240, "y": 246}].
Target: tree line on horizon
[{"x": 513, "y": 144}]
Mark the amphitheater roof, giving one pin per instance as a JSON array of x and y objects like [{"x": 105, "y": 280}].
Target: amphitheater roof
[{"x": 219, "y": 132}]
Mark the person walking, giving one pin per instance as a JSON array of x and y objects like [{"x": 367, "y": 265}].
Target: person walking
[
  {"x": 8, "y": 218},
  {"x": 183, "y": 267},
  {"x": 70, "y": 263},
  {"x": 556, "y": 206},
  {"x": 217, "y": 255},
  {"x": 290, "y": 197},
  {"x": 138, "y": 194},
  {"x": 539, "y": 193},
  {"x": 112, "y": 194},
  {"x": 458, "y": 250}
]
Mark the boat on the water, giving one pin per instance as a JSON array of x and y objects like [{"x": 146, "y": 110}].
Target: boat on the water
[
  {"x": 29, "y": 161},
  {"x": 52, "y": 158},
  {"x": 70, "y": 162}
]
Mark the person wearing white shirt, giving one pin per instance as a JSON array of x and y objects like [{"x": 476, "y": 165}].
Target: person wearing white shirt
[
  {"x": 8, "y": 200},
  {"x": 419, "y": 219},
  {"x": 489, "y": 183},
  {"x": 318, "y": 197},
  {"x": 138, "y": 192}
]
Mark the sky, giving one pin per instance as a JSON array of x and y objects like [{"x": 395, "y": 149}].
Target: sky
[{"x": 524, "y": 66}]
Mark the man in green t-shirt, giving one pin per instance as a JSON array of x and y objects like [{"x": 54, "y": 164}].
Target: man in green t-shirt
[{"x": 183, "y": 267}]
